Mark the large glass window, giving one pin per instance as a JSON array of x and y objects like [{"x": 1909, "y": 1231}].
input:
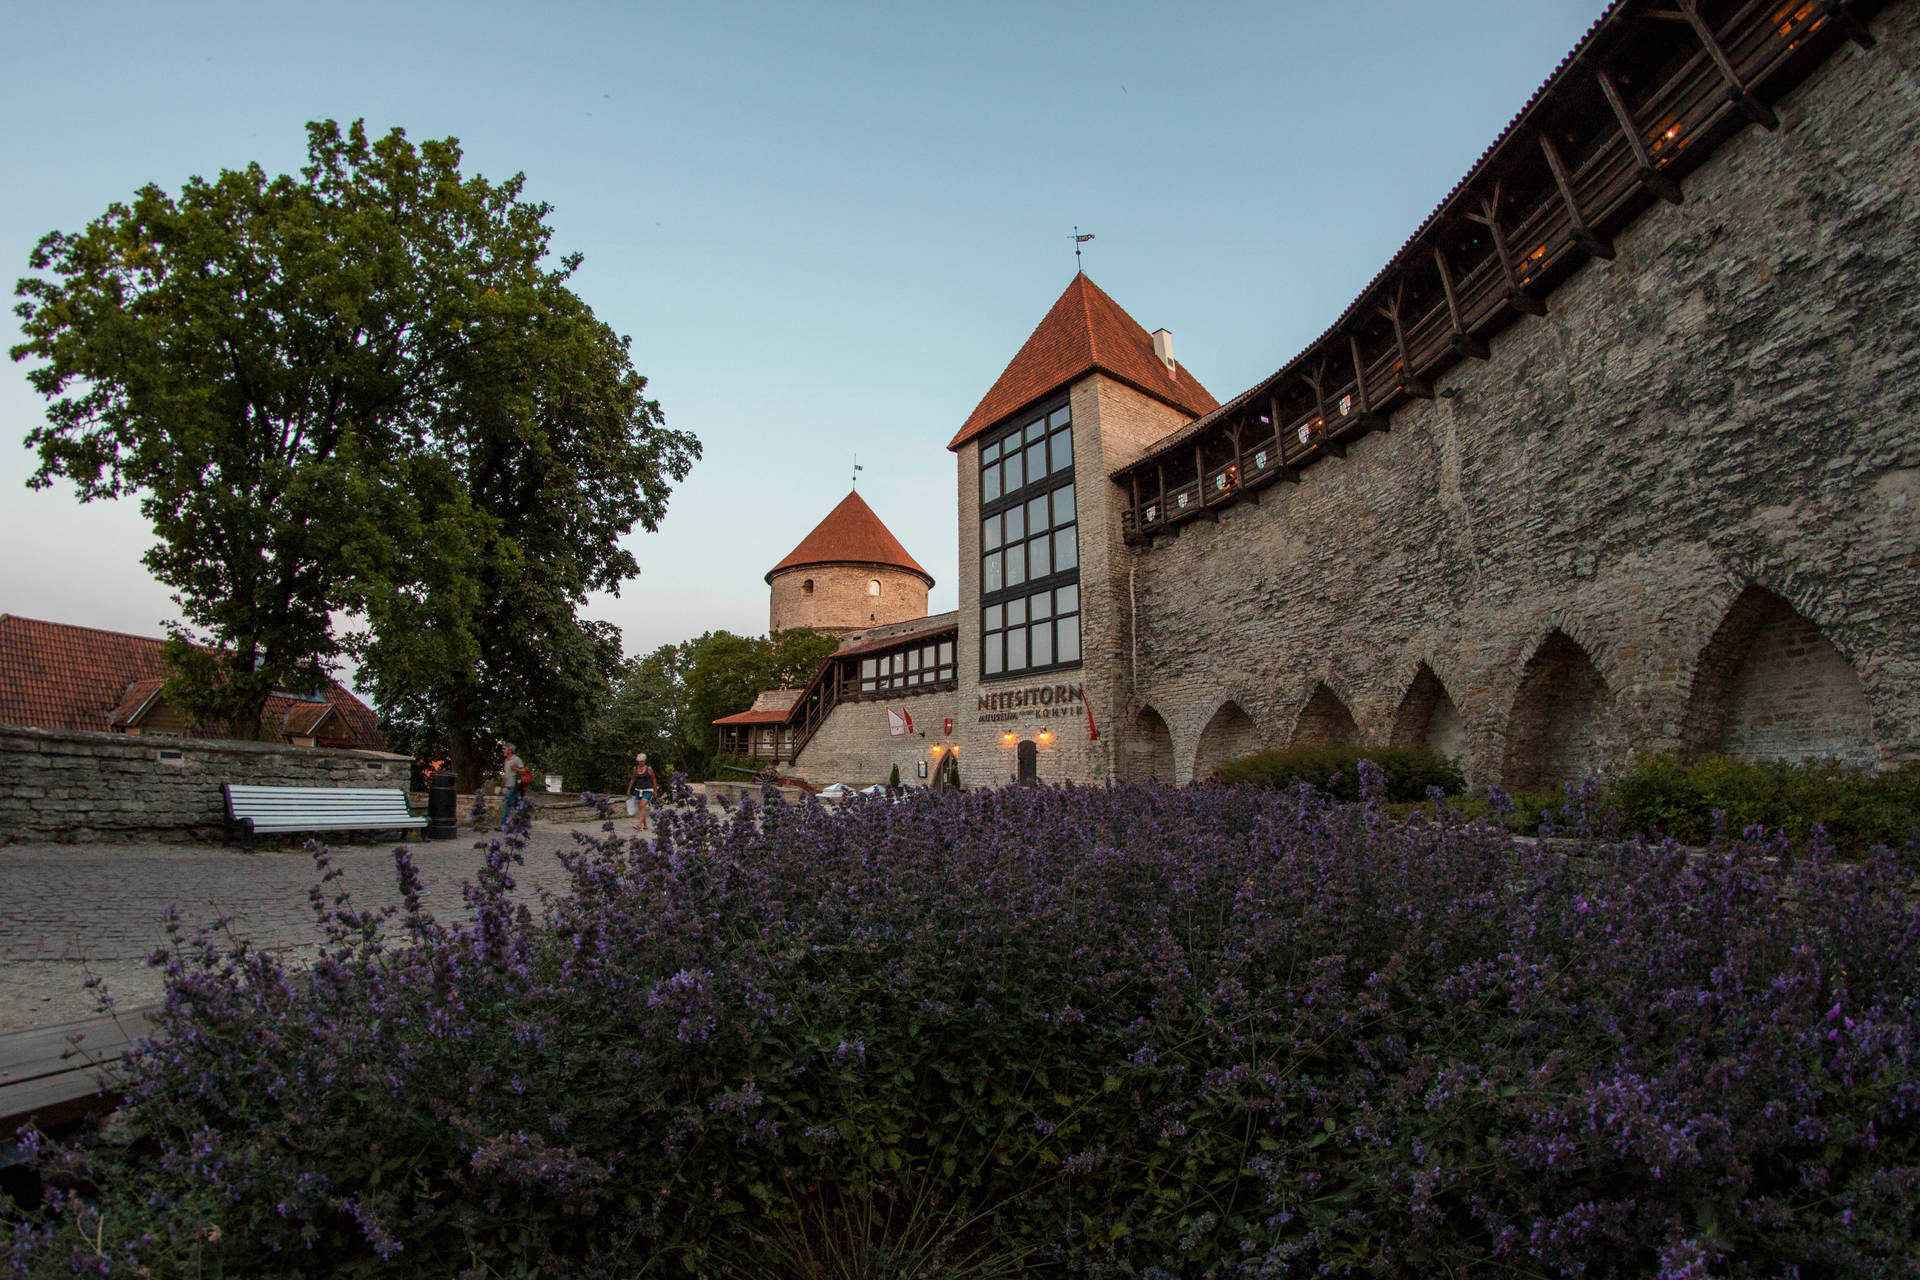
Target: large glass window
[
  {"x": 909, "y": 668},
  {"x": 1029, "y": 547}
]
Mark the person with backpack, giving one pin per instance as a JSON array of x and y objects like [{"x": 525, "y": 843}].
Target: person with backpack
[
  {"x": 640, "y": 790},
  {"x": 515, "y": 778}
]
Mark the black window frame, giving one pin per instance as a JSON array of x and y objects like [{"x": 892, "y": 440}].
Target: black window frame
[{"x": 1053, "y": 581}]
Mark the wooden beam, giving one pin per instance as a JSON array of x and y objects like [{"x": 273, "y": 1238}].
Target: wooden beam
[
  {"x": 1757, "y": 111},
  {"x": 1837, "y": 12},
  {"x": 1463, "y": 342},
  {"x": 1287, "y": 473},
  {"x": 1517, "y": 296},
  {"x": 1650, "y": 177},
  {"x": 1596, "y": 244},
  {"x": 1410, "y": 383},
  {"x": 1369, "y": 420}
]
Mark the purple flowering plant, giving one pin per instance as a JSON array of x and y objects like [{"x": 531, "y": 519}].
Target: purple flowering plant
[{"x": 1128, "y": 1031}]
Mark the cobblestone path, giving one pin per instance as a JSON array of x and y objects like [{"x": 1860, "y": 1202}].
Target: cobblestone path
[{"x": 70, "y": 910}]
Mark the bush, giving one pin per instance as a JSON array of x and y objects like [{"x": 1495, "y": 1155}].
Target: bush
[
  {"x": 1336, "y": 770},
  {"x": 1127, "y": 1031},
  {"x": 1858, "y": 808}
]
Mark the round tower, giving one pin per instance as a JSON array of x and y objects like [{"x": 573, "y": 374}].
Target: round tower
[{"x": 849, "y": 574}]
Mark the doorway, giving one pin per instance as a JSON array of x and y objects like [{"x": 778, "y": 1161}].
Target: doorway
[{"x": 1028, "y": 753}]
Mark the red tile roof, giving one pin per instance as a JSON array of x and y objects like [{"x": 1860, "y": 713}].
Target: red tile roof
[
  {"x": 1085, "y": 331},
  {"x": 851, "y": 534},
  {"x": 755, "y": 717},
  {"x": 57, "y": 676}
]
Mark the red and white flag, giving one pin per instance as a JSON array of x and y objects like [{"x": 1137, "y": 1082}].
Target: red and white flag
[{"x": 899, "y": 723}]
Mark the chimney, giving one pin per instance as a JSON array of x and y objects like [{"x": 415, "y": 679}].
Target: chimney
[{"x": 1163, "y": 347}]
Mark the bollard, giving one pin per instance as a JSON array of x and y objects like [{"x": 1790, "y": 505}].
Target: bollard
[{"x": 443, "y": 804}]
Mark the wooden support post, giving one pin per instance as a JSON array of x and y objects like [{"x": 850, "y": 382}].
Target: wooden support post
[
  {"x": 1133, "y": 478},
  {"x": 1650, "y": 177},
  {"x": 1414, "y": 386},
  {"x": 1287, "y": 473},
  {"x": 1757, "y": 111},
  {"x": 1842, "y": 17},
  {"x": 1463, "y": 342},
  {"x": 1596, "y": 244},
  {"x": 1368, "y": 419},
  {"x": 1317, "y": 380},
  {"x": 1520, "y": 299},
  {"x": 1200, "y": 482},
  {"x": 1240, "y": 465}
]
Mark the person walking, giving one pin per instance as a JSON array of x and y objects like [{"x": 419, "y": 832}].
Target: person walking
[
  {"x": 513, "y": 775},
  {"x": 640, "y": 789}
]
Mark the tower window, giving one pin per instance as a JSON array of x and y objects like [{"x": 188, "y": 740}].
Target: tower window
[
  {"x": 806, "y": 588},
  {"x": 873, "y": 588},
  {"x": 1029, "y": 547}
]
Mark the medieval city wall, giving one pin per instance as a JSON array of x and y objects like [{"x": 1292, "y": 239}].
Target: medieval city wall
[
  {"x": 1681, "y": 511},
  {"x": 75, "y": 785},
  {"x": 856, "y": 746}
]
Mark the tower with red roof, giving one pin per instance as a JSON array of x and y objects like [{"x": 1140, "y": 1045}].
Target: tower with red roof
[{"x": 849, "y": 574}]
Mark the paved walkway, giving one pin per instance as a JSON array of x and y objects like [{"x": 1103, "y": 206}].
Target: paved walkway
[{"x": 70, "y": 910}]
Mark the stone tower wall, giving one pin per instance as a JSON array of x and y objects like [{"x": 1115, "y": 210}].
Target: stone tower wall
[
  {"x": 840, "y": 601},
  {"x": 1727, "y": 407}
]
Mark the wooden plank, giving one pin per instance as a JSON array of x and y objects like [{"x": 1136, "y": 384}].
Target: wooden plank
[{"x": 39, "y": 1075}]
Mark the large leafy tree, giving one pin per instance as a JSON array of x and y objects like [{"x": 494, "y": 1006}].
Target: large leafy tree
[
  {"x": 306, "y": 380},
  {"x": 722, "y": 672}
]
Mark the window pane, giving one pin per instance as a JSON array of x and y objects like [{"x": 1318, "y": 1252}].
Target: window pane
[
  {"x": 1036, "y": 461},
  {"x": 1062, "y": 443},
  {"x": 913, "y": 660},
  {"x": 869, "y": 667},
  {"x": 1016, "y": 565},
  {"x": 1063, "y": 504},
  {"x": 990, "y": 533},
  {"x": 1036, "y": 428},
  {"x": 1060, "y": 417},
  {"x": 992, "y": 653},
  {"x": 1012, "y": 467},
  {"x": 1067, "y": 599},
  {"x": 990, "y": 484},
  {"x": 1016, "y": 524},
  {"x": 990, "y": 573},
  {"x": 1069, "y": 639},
  {"x": 1016, "y": 649},
  {"x": 1042, "y": 644},
  {"x": 1016, "y": 612},
  {"x": 1037, "y": 515},
  {"x": 990, "y": 617},
  {"x": 991, "y": 453},
  {"x": 1040, "y": 606},
  {"x": 946, "y": 651},
  {"x": 1039, "y": 562},
  {"x": 1066, "y": 550}
]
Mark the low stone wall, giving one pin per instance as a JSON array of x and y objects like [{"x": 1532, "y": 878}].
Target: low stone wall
[{"x": 71, "y": 786}]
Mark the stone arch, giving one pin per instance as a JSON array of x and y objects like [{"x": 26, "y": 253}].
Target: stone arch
[
  {"x": 1562, "y": 724},
  {"x": 1325, "y": 721},
  {"x": 1770, "y": 686},
  {"x": 1228, "y": 734},
  {"x": 1148, "y": 753},
  {"x": 1428, "y": 718}
]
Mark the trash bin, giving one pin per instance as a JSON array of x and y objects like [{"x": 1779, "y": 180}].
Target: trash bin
[{"x": 443, "y": 805}]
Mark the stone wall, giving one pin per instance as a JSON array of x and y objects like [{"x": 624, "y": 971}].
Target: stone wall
[
  {"x": 68, "y": 785},
  {"x": 837, "y": 598},
  {"x": 1543, "y": 569},
  {"x": 856, "y": 746}
]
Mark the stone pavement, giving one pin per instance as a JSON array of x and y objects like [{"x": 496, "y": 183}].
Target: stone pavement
[{"x": 68, "y": 910}]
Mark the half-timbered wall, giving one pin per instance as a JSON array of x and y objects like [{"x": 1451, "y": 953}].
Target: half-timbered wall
[{"x": 1543, "y": 554}]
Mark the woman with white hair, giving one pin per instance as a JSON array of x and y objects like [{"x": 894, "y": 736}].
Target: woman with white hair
[{"x": 640, "y": 789}]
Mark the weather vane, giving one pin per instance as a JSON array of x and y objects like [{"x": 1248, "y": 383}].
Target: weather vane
[
  {"x": 1079, "y": 238},
  {"x": 857, "y": 469}
]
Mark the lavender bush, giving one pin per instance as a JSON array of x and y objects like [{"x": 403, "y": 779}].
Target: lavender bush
[{"x": 1110, "y": 1032}]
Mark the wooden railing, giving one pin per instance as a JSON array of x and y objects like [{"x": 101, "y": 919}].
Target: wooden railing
[{"x": 1641, "y": 103}]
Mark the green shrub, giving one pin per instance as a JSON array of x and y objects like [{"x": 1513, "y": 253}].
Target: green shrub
[
  {"x": 1336, "y": 770},
  {"x": 893, "y": 777},
  {"x": 1858, "y": 808}
]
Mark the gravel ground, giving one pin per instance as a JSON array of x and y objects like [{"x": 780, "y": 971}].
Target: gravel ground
[{"x": 70, "y": 910}]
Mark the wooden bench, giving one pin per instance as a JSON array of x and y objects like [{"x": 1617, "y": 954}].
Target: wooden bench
[{"x": 256, "y": 810}]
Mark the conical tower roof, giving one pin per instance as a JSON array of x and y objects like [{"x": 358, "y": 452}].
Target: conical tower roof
[
  {"x": 1086, "y": 330},
  {"x": 851, "y": 534}
]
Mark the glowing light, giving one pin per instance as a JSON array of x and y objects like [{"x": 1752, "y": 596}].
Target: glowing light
[
  {"x": 936, "y": 749},
  {"x": 1006, "y": 737},
  {"x": 1045, "y": 736}
]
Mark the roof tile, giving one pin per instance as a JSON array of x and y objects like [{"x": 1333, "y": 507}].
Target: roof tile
[
  {"x": 1084, "y": 331},
  {"x": 851, "y": 534}
]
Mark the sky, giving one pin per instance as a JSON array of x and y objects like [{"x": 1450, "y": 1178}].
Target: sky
[{"x": 825, "y": 227}]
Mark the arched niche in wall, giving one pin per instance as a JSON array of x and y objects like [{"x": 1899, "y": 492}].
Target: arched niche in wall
[
  {"x": 1562, "y": 723},
  {"x": 1325, "y": 722},
  {"x": 1770, "y": 687},
  {"x": 1148, "y": 754},
  {"x": 1228, "y": 735},
  {"x": 1428, "y": 718}
]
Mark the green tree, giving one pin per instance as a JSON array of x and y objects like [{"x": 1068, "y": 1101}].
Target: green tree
[
  {"x": 641, "y": 715},
  {"x": 721, "y": 673}
]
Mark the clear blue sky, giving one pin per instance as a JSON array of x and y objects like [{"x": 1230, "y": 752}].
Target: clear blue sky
[{"x": 826, "y": 227}]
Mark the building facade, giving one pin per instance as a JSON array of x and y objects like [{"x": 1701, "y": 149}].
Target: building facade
[{"x": 1618, "y": 454}]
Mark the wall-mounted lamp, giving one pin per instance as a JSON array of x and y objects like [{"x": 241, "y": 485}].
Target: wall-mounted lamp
[
  {"x": 1006, "y": 737},
  {"x": 1045, "y": 736},
  {"x": 936, "y": 748}
]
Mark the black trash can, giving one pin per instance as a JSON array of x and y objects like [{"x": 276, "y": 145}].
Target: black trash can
[{"x": 443, "y": 806}]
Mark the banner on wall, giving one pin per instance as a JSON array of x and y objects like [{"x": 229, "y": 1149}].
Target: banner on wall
[{"x": 899, "y": 723}]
